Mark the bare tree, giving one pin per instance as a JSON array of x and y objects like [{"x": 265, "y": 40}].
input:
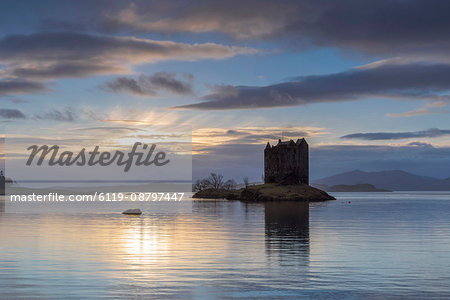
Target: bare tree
[
  {"x": 230, "y": 184},
  {"x": 215, "y": 180},
  {"x": 197, "y": 186},
  {"x": 201, "y": 184}
]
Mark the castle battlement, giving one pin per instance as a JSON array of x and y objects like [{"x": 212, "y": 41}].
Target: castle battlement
[{"x": 287, "y": 162}]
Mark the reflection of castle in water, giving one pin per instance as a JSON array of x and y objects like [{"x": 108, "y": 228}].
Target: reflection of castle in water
[
  {"x": 2, "y": 191},
  {"x": 286, "y": 224},
  {"x": 287, "y": 228}
]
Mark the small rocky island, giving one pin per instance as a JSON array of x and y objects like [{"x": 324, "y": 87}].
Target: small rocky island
[
  {"x": 267, "y": 192},
  {"x": 286, "y": 178}
]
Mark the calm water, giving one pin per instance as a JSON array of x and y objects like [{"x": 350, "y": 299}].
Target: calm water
[{"x": 379, "y": 246}]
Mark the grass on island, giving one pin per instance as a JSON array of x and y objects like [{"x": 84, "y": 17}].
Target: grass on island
[{"x": 267, "y": 192}]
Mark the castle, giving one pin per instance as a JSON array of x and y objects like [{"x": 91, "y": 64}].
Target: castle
[
  {"x": 287, "y": 162},
  {"x": 2, "y": 183}
]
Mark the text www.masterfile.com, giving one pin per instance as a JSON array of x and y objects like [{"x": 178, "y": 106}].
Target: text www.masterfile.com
[{"x": 101, "y": 197}]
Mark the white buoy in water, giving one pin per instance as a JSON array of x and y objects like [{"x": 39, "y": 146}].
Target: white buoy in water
[{"x": 133, "y": 211}]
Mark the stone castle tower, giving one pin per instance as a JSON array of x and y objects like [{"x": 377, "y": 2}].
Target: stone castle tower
[
  {"x": 2, "y": 182},
  {"x": 287, "y": 162}
]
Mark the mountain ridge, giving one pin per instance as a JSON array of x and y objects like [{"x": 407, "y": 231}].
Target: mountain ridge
[{"x": 396, "y": 180}]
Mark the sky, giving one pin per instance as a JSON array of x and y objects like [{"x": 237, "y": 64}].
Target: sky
[{"x": 365, "y": 82}]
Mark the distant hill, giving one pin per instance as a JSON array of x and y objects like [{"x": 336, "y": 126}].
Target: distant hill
[
  {"x": 395, "y": 180},
  {"x": 355, "y": 188}
]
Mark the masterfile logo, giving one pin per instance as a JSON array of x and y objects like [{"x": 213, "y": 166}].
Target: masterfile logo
[
  {"x": 146, "y": 157},
  {"x": 156, "y": 155}
]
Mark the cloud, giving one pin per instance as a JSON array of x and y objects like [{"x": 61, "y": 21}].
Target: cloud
[
  {"x": 17, "y": 86},
  {"x": 114, "y": 129},
  {"x": 150, "y": 85},
  {"x": 420, "y": 144},
  {"x": 430, "y": 108},
  {"x": 209, "y": 136},
  {"x": 399, "y": 80},
  {"x": 430, "y": 133},
  {"x": 63, "y": 70},
  {"x": 71, "y": 114},
  {"x": 388, "y": 27},
  {"x": 66, "y": 115},
  {"x": 52, "y": 55},
  {"x": 167, "y": 81},
  {"x": 239, "y": 19},
  {"x": 11, "y": 114},
  {"x": 15, "y": 100},
  {"x": 143, "y": 116},
  {"x": 130, "y": 85}
]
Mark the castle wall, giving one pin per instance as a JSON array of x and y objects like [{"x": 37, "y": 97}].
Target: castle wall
[
  {"x": 303, "y": 166},
  {"x": 287, "y": 162}
]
